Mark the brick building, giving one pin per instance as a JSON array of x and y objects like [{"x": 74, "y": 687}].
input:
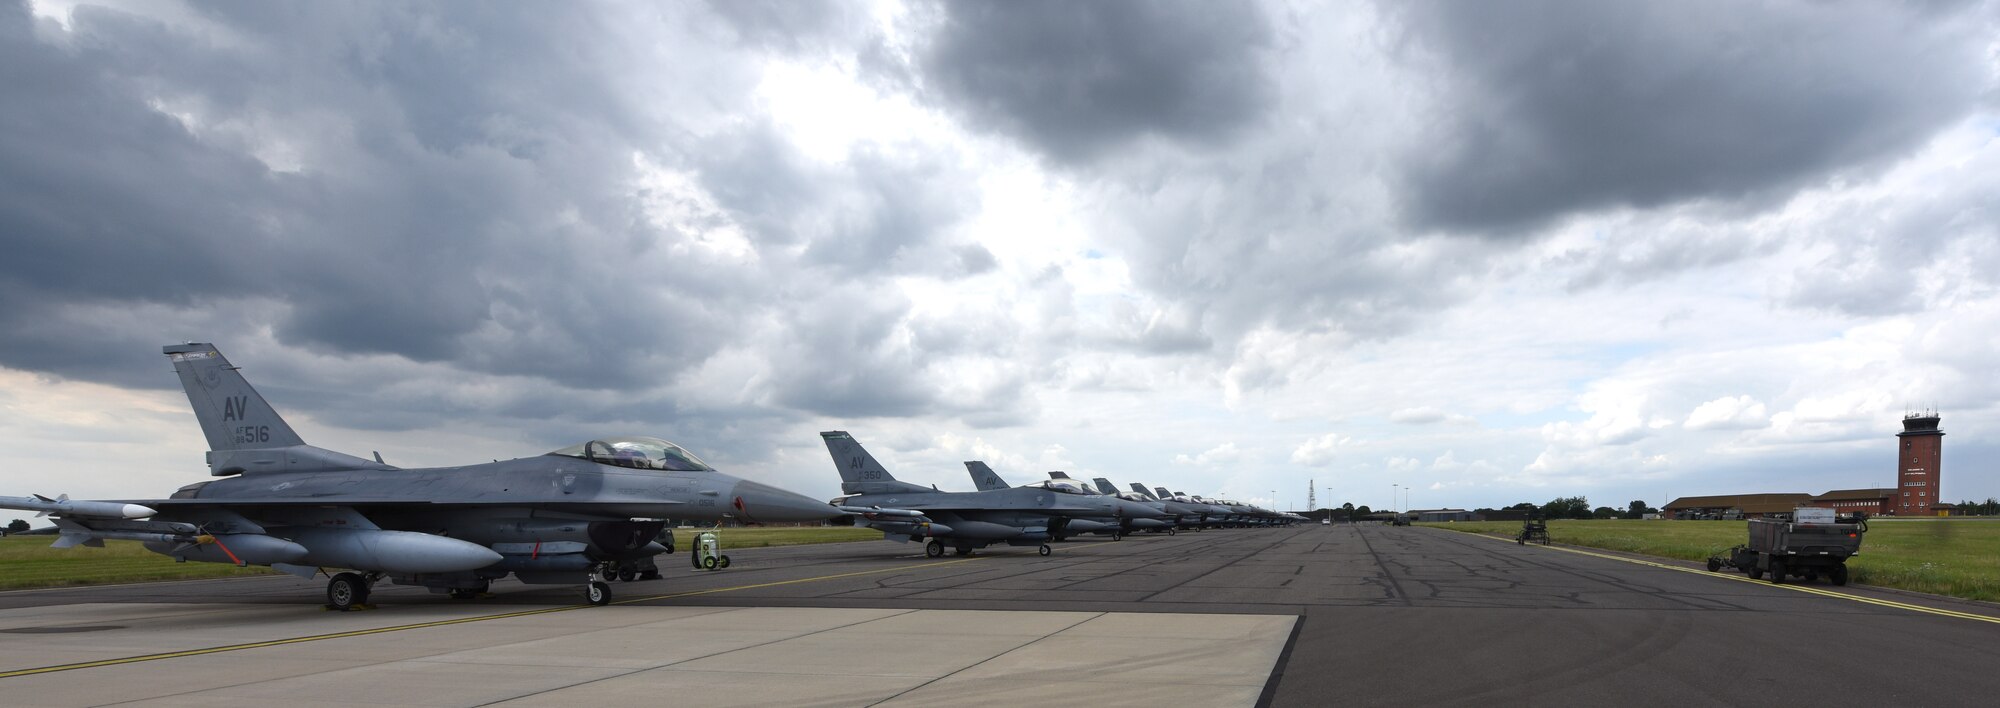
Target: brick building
[
  {"x": 1734, "y": 505},
  {"x": 1919, "y": 464},
  {"x": 1875, "y": 502}
]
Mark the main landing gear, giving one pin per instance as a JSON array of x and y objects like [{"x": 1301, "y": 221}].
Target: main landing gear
[
  {"x": 347, "y": 591},
  {"x": 1044, "y": 550},
  {"x": 471, "y": 593}
]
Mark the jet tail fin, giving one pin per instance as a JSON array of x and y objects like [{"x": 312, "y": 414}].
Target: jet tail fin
[
  {"x": 1141, "y": 489},
  {"x": 984, "y": 478},
  {"x": 859, "y": 472},
  {"x": 233, "y": 416},
  {"x": 1058, "y": 475},
  {"x": 1164, "y": 493},
  {"x": 245, "y": 434},
  {"x": 1105, "y": 486}
]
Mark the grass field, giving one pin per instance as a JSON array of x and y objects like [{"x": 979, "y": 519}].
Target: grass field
[
  {"x": 29, "y": 562},
  {"x": 1957, "y": 557}
]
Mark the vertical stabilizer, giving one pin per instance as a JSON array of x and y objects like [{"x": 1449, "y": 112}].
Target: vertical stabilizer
[
  {"x": 859, "y": 472},
  {"x": 233, "y": 416},
  {"x": 1105, "y": 486},
  {"x": 1164, "y": 494},
  {"x": 984, "y": 478},
  {"x": 1141, "y": 489},
  {"x": 244, "y": 433}
]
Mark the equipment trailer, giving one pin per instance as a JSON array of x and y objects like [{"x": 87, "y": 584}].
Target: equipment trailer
[{"x": 1807, "y": 549}]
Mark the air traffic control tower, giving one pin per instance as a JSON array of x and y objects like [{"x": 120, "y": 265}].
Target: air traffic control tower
[{"x": 1918, "y": 465}]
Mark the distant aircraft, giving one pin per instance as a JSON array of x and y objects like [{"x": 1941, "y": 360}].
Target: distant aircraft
[
  {"x": 1191, "y": 514},
  {"x": 557, "y": 518},
  {"x": 966, "y": 521},
  {"x": 1102, "y": 514}
]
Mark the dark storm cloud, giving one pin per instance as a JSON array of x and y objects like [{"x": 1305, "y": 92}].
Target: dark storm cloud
[
  {"x": 1076, "y": 80},
  {"x": 466, "y": 233},
  {"x": 1551, "y": 108}
]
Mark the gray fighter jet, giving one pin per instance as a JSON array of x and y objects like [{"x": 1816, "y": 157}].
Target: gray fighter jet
[
  {"x": 1102, "y": 515},
  {"x": 1178, "y": 515},
  {"x": 1133, "y": 515},
  {"x": 966, "y": 521},
  {"x": 1193, "y": 515},
  {"x": 557, "y": 518}
]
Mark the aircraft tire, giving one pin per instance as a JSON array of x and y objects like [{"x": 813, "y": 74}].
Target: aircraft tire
[
  {"x": 1172, "y": 531},
  {"x": 628, "y": 575},
  {"x": 1117, "y": 537},
  {"x": 1044, "y": 550},
  {"x": 934, "y": 549},
  {"x": 345, "y": 591},
  {"x": 597, "y": 593}
]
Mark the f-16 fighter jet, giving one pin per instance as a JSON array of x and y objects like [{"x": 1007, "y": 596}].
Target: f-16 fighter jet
[
  {"x": 1102, "y": 514},
  {"x": 556, "y": 518},
  {"x": 965, "y": 521}
]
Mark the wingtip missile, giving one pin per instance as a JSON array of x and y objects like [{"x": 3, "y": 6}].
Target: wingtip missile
[{"x": 64, "y": 506}]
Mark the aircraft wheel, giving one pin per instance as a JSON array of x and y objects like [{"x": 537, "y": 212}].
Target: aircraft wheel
[
  {"x": 628, "y": 575},
  {"x": 1172, "y": 531},
  {"x": 722, "y": 561},
  {"x": 345, "y": 591},
  {"x": 1117, "y": 536},
  {"x": 1839, "y": 575},
  {"x": 708, "y": 563},
  {"x": 934, "y": 549},
  {"x": 1044, "y": 549},
  {"x": 597, "y": 593}
]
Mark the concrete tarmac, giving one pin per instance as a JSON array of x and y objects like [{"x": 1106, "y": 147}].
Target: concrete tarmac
[{"x": 1302, "y": 616}]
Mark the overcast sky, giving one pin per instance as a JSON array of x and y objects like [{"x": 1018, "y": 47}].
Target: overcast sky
[{"x": 1489, "y": 252}]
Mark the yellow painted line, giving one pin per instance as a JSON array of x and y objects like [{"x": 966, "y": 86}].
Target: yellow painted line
[
  {"x": 1788, "y": 586},
  {"x": 444, "y": 623}
]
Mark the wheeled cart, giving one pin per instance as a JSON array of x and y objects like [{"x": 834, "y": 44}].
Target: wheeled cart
[
  {"x": 1533, "y": 531},
  {"x": 708, "y": 551}
]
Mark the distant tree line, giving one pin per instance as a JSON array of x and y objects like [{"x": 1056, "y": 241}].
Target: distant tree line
[
  {"x": 1990, "y": 507},
  {"x": 1579, "y": 508}
]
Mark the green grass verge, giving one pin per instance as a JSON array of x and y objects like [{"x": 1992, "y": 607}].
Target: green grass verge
[
  {"x": 763, "y": 536},
  {"x": 1955, "y": 557},
  {"x": 29, "y": 562}
]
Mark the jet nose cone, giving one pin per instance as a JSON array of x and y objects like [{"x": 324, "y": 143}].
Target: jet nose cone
[
  {"x": 1135, "y": 510},
  {"x": 753, "y": 501}
]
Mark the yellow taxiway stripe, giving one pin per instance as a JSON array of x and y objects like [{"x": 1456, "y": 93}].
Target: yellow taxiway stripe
[
  {"x": 1787, "y": 586},
  {"x": 443, "y": 623}
]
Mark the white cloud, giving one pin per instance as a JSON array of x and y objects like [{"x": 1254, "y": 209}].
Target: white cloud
[
  {"x": 1220, "y": 454},
  {"x": 1319, "y": 451},
  {"x": 1728, "y": 413}
]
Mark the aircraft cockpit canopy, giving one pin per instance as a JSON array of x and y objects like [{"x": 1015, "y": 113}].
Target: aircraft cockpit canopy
[
  {"x": 637, "y": 452},
  {"x": 1065, "y": 486}
]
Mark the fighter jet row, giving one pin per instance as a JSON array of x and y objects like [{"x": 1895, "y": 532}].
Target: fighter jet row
[
  {"x": 1028, "y": 515},
  {"x": 574, "y": 515}
]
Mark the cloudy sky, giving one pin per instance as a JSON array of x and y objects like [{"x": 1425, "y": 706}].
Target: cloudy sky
[{"x": 1489, "y": 252}]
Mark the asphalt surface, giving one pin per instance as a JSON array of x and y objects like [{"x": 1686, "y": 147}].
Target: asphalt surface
[{"x": 1388, "y": 614}]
